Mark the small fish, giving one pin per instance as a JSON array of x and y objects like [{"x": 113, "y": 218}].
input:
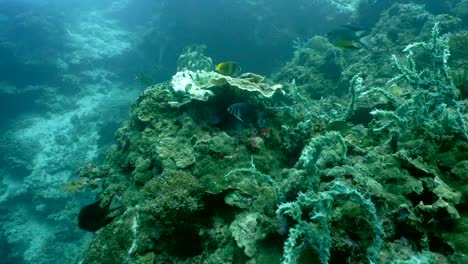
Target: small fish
[
  {"x": 244, "y": 112},
  {"x": 365, "y": 142},
  {"x": 348, "y": 37},
  {"x": 93, "y": 217},
  {"x": 339, "y": 126},
  {"x": 228, "y": 68},
  {"x": 145, "y": 79},
  {"x": 457, "y": 92},
  {"x": 395, "y": 90}
]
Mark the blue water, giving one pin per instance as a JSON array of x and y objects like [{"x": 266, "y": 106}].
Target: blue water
[{"x": 69, "y": 75}]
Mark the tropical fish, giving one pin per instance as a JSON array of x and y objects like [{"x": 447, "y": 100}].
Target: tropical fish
[
  {"x": 339, "y": 126},
  {"x": 395, "y": 90},
  {"x": 244, "y": 112},
  {"x": 93, "y": 217},
  {"x": 348, "y": 37},
  {"x": 365, "y": 141},
  {"x": 228, "y": 68},
  {"x": 145, "y": 79}
]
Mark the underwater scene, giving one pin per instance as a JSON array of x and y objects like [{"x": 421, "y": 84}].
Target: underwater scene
[{"x": 241, "y": 131}]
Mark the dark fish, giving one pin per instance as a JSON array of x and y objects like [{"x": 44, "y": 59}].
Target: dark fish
[
  {"x": 348, "y": 37},
  {"x": 228, "y": 68},
  {"x": 93, "y": 217},
  {"x": 244, "y": 112},
  {"x": 363, "y": 115}
]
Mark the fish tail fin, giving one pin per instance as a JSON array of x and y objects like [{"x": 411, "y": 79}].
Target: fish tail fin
[{"x": 365, "y": 41}]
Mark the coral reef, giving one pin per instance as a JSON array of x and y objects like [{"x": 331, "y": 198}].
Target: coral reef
[
  {"x": 316, "y": 67},
  {"x": 320, "y": 207},
  {"x": 377, "y": 176}
]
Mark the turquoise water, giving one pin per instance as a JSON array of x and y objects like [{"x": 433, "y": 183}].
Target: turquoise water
[{"x": 342, "y": 139}]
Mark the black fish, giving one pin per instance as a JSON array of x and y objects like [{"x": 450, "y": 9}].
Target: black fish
[
  {"x": 244, "y": 112},
  {"x": 363, "y": 115},
  {"x": 93, "y": 217}
]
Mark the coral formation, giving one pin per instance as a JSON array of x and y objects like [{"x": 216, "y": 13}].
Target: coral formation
[
  {"x": 201, "y": 85},
  {"x": 199, "y": 186},
  {"x": 317, "y": 235}
]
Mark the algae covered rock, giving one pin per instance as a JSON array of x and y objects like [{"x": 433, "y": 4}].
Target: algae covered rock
[
  {"x": 114, "y": 242},
  {"x": 461, "y": 171},
  {"x": 315, "y": 68},
  {"x": 247, "y": 229},
  {"x": 173, "y": 149},
  {"x": 174, "y": 193}
]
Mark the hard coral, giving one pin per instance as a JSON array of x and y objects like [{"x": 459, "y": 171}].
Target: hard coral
[
  {"x": 458, "y": 43},
  {"x": 172, "y": 195},
  {"x": 201, "y": 85},
  {"x": 315, "y": 68}
]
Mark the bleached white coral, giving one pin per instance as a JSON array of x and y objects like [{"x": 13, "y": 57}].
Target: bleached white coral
[
  {"x": 192, "y": 83},
  {"x": 201, "y": 85}
]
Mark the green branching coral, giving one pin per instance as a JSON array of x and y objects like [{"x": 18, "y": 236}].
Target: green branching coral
[
  {"x": 252, "y": 171},
  {"x": 322, "y": 151},
  {"x": 436, "y": 75},
  {"x": 430, "y": 107},
  {"x": 253, "y": 189},
  {"x": 312, "y": 230},
  {"x": 355, "y": 85}
]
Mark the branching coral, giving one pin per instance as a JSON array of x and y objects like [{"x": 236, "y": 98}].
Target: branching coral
[
  {"x": 355, "y": 86},
  {"x": 322, "y": 150},
  {"x": 430, "y": 106},
  {"x": 313, "y": 230}
]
